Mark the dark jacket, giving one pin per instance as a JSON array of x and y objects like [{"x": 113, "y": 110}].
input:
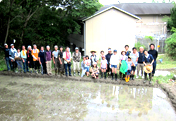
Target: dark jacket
[
  {"x": 154, "y": 53},
  {"x": 6, "y": 51},
  {"x": 108, "y": 57},
  {"x": 149, "y": 59},
  {"x": 140, "y": 59},
  {"x": 42, "y": 56}
]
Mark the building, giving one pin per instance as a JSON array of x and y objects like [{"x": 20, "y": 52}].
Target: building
[{"x": 120, "y": 24}]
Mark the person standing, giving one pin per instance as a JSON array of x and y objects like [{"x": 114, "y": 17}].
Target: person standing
[
  {"x": 18, "y": 60},
  {"x": 103, "y": 67},
  {"x": 67, "y": 61},
  {"x": 30, "y": 59},
  {"x": 55, "y": 54},
  {"x": 147, "y": 60},
  {"x": 48, "y": 60},
  {"x": 129, "y": 63},
  {"x": 6, "y": 52},
  {"x": 154, "y": 53},
  {"x": 134, "y": 57},
  {"x": 76, "y": 61},
  {"x": 83, "y": 63},
  {"x": 87, "y": 65},
  {"x": 61, "y": 61},
  {"x": 122, "y": 58},
  {"x": 108, "y": 56},
  {"x": 35, "y": 52},
  {"x": 42, "y": 60},
  {"x": 24, "y": 59},
  {"x": 140, "y": 65},
  {"x": 12, "y": 52},
  {"x": 114, "y": 61},
  {"x": 127, "y": 50},
  {"x": 93, "y": 58}
]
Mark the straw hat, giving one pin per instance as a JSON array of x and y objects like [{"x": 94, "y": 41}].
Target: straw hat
[
  {"x": 148, "y": 68},
  {"x": 93, "y": 51}
]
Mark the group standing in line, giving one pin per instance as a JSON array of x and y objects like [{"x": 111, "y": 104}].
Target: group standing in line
[{"x": 40, "y": 61}]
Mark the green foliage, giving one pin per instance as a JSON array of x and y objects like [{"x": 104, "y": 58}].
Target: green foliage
[
  {"x": 149, "y": 37},
  {"x": 138, "y": 45},
  {"x": 163, "y": 79},
  {"x": 170, "y": 47}
]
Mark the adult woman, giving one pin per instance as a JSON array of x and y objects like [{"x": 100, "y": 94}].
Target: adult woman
[{"x": 114, "y": 61}]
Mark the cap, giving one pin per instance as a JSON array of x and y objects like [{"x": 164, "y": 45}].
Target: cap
[
  {"x": 12, "y": 45},
  {"x": 109, "y": 49},
  {"x": 115, "y": 50},
  {"x": 5, "y": 44},
  {"x": 76, "y": 48},
  {"x": 84, "y": 56},
  {"x": 94, "y": 63}
]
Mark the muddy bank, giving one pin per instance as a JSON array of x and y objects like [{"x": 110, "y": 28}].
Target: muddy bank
[{"x": 136, "y": 82}]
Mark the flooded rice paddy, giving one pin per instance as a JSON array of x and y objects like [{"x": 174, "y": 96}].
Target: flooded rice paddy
[{"x": 37, "y": 99}]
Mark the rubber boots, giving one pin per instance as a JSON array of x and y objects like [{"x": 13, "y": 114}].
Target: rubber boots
[
  {"x": 104, "y": 75},
  {"x": 115, "y": 77}
]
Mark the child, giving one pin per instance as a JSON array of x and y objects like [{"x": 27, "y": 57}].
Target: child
[
  {"x": 103, "y": 67},
  {"x": 129, "y": 63},
  {"x": 95, "y": 71},
  {"x": 123, "y": 57},
  {"x": 87, "y": 65},
  {"x": 18, "y": 60},
  {"x": 83, "y": 66}
]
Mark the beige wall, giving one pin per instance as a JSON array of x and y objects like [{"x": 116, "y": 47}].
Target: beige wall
[
  {"x": 151, "y": 24},
  {"x": 110, "y": 29}
]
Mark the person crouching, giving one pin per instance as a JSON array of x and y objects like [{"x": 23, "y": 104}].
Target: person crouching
[{"x": 95, "y": 71}]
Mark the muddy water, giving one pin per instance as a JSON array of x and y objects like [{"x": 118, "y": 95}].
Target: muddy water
[{"x": 56, "y": 100}]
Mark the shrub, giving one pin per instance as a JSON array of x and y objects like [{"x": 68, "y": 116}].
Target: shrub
[
  {"x": 170, "y": 47},
  {"x": 138, "y": 45}
]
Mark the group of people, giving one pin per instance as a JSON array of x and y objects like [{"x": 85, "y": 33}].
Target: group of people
[{"x": 35, "y": 60}]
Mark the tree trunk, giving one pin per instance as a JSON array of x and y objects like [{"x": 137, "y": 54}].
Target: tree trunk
[{"x": 7, "y": 32}]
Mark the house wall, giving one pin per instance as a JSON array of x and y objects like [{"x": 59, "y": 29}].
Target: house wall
[
  {"x": 110, "y": 29},
  {"x": 150, "y": 25}
]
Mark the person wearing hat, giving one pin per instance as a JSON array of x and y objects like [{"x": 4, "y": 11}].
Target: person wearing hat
[
  {"x": 127, "y": 50},
  {"x": 114, "y": 61},
  {"x": 83, "y": 63},
  {"x": 134, "y": 57},
  {"x": 6, "y": 52},
  {"x": 12, "y": 52},
  {"x": 30, "y": 59},
  {"x": 67, "y": 61},
  {"x": 93, "y": 57},
  {"x": 154, "y": 53},
  {"x": 108, "y": 57},
  {"x": 148, "y": 61},
  {"x": 103, "y": 67},
  {"x": 95, "y": 71},
  {"x": 76, "y": 61},
  {"x": 35, "y": 53},
  {"x": 61, "y": 61},
  {"x": 48, "y": 60},
  {"x": 56, "y": 59},
  {"x": 122, "y": 58}
]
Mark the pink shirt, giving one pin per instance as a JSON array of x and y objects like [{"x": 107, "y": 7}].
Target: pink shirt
[{"x": 103, "y": 63}]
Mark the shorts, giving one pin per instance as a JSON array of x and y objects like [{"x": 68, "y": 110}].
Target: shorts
[
  {"x": 103, "y": 68},
  {"x": 113, "y": 66},
  {"x": 133, "y": 68},
  {"x": 87, "y": 69},
  {"x": 129, "y": 72}
]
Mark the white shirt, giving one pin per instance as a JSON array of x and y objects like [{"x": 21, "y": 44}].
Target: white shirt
[
  {"x": 87, "y": 62},
  {"x": 64, "y": 56},
  {"x": 114, "y": 60}
]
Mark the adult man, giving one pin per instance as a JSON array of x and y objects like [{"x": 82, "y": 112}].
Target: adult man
[
  {"x": 42, "y": 60},
  {"x": 93, "y": 58},
  {"x": 30, "y": 59},
  {"x": 154, "y": 53},
  {"x": 61, "y": 61},
  {"x": 134, "y": 57},
  {"x": 140, "y": 65},
  {"x": 127, "y": 50},
  {"x": 24, "y": 59},
  {"x": 35, "y": 52},
  {"x": 12, "y": 52},
  {"x": 6, "y": 51},
  {"x": 108, "y": 56},
  {"x": 48, "y": 60},
  {"x": 114, "y": 61},
  {"x": 67, "y": 61},
  {"x": 76, "y": 61},
  {"x": 56, "y": 59}
]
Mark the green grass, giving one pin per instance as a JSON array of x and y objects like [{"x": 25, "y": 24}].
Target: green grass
[
  {"x": 163, "y": 79},
  {"x": 2, "y": 62},
  {"x": 167, "y": 63}
]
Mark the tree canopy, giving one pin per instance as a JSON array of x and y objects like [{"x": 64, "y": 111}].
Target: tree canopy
[{"x": 42, "y": 21}]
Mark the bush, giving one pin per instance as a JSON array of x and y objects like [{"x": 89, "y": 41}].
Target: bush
[
  {"x": 170, "y": 47},
  {"x": 138, "y": 45}
]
